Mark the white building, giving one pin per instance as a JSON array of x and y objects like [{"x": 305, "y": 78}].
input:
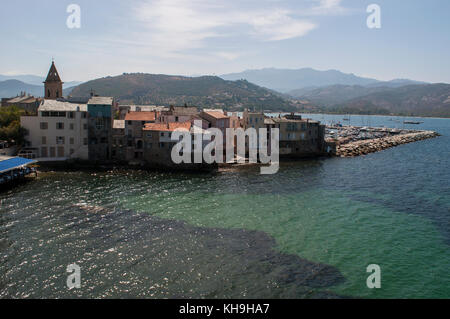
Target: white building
[{"x": 59, "y": 131}]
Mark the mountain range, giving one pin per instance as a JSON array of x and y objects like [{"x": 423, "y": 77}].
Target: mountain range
[
  {"x": 202, "y": 91},
  {"x": 315, "y": 91},
  {"x": 289, "y": 81},
  {"x": 13, "y": 85},
  {"x": 432, "y": 100}
]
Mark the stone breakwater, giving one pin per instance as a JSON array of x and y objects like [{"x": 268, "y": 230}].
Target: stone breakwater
[{"x": 378, "y": 144}]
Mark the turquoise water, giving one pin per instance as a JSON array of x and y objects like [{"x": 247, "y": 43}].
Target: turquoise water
[{"x": 309, "y": 231}]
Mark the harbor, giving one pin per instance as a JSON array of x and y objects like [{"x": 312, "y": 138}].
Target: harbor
[{"x": 350, "y": 141}]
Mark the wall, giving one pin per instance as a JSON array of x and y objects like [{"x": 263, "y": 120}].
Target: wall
[{"x": 78, "y": 134}]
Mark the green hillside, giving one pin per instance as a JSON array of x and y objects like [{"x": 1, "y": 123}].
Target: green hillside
[{"x": 205, "y": 91}]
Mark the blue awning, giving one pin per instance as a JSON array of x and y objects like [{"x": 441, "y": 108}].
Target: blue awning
[{"x": 13, "y": 163}]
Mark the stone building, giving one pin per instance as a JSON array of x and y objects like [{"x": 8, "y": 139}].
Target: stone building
[
  {"x": 253, "y": 119},
  {"x": 298, "y": 137},
  {"x": 158, "y": 142},
  {"x": 100, "y": 122},
  {"x": 59, "y": 131},
  {"x": 25, "y": 102},
  {"x": 119, "y": 142},
  {"x": 53, "y": 86},
  {"x": 158, "y": 146},
  {"x": 124, "y": 109},
  {"x": 134, "y": 123},
  {"x": 178, "y": 114}
]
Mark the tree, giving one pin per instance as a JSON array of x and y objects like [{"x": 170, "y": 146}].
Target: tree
[{"x": 10, "y": 129}]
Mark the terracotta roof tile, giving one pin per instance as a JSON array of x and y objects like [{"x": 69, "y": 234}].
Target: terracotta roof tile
[
  {"x": 216, "y": 114},
  {"x": 167, "y": 127},
  {"x": 140, "y": 116}
]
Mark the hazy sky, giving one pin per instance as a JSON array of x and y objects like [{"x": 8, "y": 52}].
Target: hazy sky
[{"x": 192, "y": 37}]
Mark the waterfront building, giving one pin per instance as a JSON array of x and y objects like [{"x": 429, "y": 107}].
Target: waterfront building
[
  {"x": 216, "y": 119},
  {"x": 59, "y": 131},
  {"x": 119, "y": 142},
  {"x": 253, "y": 120},
  {"x": 298, "y": 137},
  {"x": 235, "y": 120},
  {"x": 178, "y": 114},
  {"x": 124, "y": 109},
  {"x": 158, "y": 145},
  {"x": 100, "y": 122},
  {"x": 134, "y": 123},
  {"x": 158, "y": 142}
]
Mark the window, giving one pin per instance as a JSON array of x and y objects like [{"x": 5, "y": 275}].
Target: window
[
  {"x": 72, "y": 126},
  {"x": 176, "y": 118},
  {"x": 44, "y": 152},
  {"x": 85, "y": 141},
  {"x": 44, "y": 140},
  {"x": 149, "y": 135},
  {"x": 44, "y": 125},
  {"x": 161, "y": 145},
  {"x": 60, "y": 126},
  {"x": 45, "y": 114},
  {"x": 71, "y": 115},
  {"x": 130, "y": 123},
  {"x": 60, "y": 140},
  {"x": 72, "y": 141},
  {"x": 57, "y": 114},
  {"x": 99, "y": 123},
  {"x": 162, "y": 134},
  {"x": 48, "y": 93},
  {"x": 84, "y": 115},
  {"x": 60, "y": 151}
]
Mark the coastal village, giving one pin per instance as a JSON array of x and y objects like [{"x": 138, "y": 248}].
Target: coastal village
[{"x": 98, "y": 130}]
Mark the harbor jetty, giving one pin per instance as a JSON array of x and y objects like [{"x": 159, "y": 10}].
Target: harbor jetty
[{"x": 353, "y": 141}]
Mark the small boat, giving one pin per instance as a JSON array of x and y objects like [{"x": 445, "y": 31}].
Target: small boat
[{"x": 412, "y": 122}]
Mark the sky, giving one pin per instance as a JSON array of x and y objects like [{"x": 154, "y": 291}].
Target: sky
[{"x": 213, "y": 37}]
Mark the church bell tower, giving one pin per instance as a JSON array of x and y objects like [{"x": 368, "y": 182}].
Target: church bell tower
[{"x": 53, "y": 84}]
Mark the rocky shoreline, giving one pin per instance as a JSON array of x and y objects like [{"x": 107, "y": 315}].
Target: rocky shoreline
[{"x": 378, "y": 144}]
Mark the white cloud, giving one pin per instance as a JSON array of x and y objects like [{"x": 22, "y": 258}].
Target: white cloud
[
  {"x": 178, "y": 25},
  {"x": 326, "y": 7},
  {"x": 278, "y": 25}
]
